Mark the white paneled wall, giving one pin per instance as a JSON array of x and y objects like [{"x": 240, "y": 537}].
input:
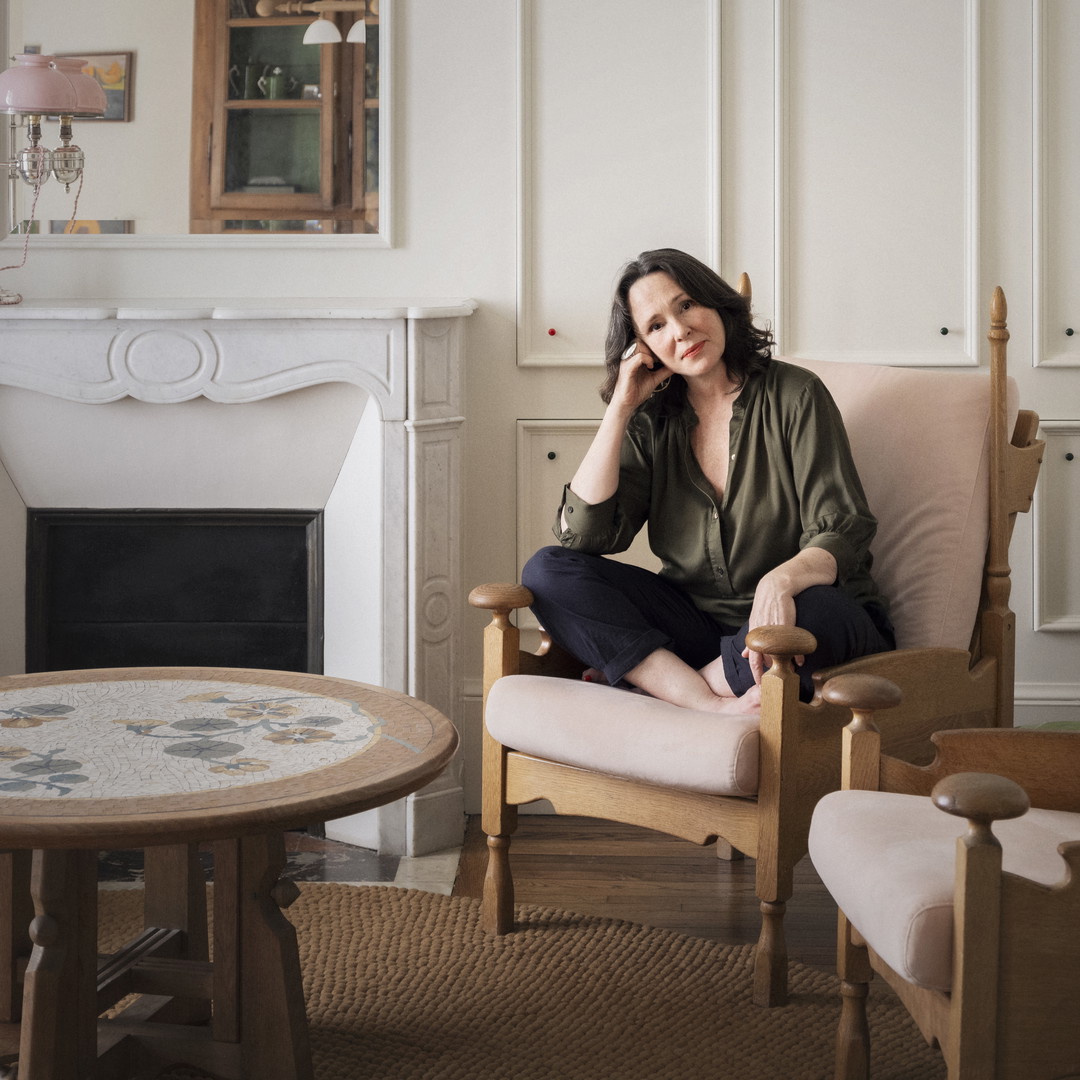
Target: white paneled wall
[
  {"x": 877, "y": 180},
  {"x": 1056, "y": 101},
  {"x": 619, "y": 143},
  {"x": 1057, "y": 530}
]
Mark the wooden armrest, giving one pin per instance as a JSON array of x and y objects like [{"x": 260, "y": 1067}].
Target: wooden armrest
[
  {"x": 980, "y": 797},
  {"x": 1044, "y": 763},
  {"x": 862, "y": 693},
  {"x": 502, "y": 652},
  {"x": 781, "y": 641},
  {"x": 1024, "y": 458},
  {"x": 500, "y": 596}
]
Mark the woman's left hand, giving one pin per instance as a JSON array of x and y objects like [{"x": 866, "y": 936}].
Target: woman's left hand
[
  {"x": 774, "y": 605},
  {"x": 774, "y": 597}
]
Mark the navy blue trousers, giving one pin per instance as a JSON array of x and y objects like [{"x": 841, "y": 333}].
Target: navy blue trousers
[{"x": 611, "y": 615}]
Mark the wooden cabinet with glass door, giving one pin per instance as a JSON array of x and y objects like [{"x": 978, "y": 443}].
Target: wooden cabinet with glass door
[{"x": 284, "y": 134}]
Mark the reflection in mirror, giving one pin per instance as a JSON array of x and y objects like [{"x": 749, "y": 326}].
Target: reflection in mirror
[{"x": 140, "y": 177}]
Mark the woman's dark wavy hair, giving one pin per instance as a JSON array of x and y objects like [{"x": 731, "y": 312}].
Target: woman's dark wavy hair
[{"x": 748, "y": 348}]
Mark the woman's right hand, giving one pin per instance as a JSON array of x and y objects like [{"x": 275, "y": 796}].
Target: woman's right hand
[{"x": 640, "y": 373}]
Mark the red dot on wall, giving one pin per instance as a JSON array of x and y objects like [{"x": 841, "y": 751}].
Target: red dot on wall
[{"x": 551, "y": 333}]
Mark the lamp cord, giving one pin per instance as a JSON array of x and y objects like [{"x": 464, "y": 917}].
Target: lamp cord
[
  {"x": 9, "y": 298},
  {"x": 26, "y": 236},
  {"x": 16, "y": 298}
]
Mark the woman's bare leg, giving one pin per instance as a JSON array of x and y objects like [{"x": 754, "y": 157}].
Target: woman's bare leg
[{"x": 663, "y": 675}]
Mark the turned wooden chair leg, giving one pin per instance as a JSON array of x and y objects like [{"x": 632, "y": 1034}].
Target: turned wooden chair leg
[
  {"x": 771, "y": 959},
  {"x": 497, "y": 910},
  {"x": 853, "y": 1034}
]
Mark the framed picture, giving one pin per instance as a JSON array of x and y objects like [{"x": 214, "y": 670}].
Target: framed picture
[
  {"x": 91, "y": 226},
  {"x": 114, "y": 71}
]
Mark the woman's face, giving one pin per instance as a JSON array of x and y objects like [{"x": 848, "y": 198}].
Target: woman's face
[{"x": 686, "y": 337}]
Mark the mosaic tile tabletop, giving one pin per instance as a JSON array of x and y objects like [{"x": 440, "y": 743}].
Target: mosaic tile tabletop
[{"x": 165, "y": 737}]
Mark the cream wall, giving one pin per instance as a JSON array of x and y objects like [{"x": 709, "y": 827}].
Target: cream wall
[{"x": 877, "y": 178}]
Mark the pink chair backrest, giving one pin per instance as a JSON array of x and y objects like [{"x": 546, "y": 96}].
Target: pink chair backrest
[{"x": 921, "y": 442}]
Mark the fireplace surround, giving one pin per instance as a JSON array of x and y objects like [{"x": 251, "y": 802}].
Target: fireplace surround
[{"x": 349, "y": 407}]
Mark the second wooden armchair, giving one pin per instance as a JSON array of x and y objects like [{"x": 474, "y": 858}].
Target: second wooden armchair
[
  {"x": 977, "y": 929},
  {"x": 947, "y": 461}
]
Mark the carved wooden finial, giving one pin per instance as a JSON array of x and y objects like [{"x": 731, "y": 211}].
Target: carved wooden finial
[
  {"x": 980, "y": 797},
  {"x": 862, "y": 692},
  {"x": 998, "y": 316},
  {"x": 500, "y": 597}
]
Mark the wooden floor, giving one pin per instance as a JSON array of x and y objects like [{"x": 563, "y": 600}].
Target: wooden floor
[{"x": 602, "y": 868}]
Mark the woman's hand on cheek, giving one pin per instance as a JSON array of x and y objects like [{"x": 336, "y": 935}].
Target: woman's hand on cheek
[{"x": 639, "y": 376}]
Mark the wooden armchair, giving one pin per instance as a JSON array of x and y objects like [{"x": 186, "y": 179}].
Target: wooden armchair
[
  {"x": 945, "y": 481},
  {"x": 978, "y": 932}
]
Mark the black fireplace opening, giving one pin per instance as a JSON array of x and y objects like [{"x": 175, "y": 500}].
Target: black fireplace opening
[{"x": 157, "y": 588}]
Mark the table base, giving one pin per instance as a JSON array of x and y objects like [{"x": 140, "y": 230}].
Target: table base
[{"x": 241, "y": 1015}]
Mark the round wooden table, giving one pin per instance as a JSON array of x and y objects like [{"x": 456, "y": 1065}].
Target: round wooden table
[{"x": 167, "y": 759}]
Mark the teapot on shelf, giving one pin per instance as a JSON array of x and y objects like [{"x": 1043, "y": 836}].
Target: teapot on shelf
[
  {"x": 244, "y": 80},
  {"x": 276, "y": 84}
]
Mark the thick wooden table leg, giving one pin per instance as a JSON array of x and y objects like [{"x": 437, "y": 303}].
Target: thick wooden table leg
[
  {"x": 16, "y": 911},
  {"x": 174, "y": 898},
  {"x": 59, "y": 1028},
  {"x": 175, "y": 895},
  {"x": 257, "y": 981}
]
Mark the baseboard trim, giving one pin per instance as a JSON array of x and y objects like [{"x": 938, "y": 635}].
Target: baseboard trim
[
  {"x": 1040, "y": 703},
  {"x": 421, "y": 824}
]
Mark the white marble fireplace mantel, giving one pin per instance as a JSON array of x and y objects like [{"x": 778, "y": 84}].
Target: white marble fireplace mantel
[{"x": 405, "y": 355}]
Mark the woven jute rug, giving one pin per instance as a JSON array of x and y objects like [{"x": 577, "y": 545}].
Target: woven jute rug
[{"x": 405, "y": 985}]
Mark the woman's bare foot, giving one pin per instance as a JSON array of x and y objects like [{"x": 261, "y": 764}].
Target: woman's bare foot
[
  {"x": 663, "y": 675},
  {"x": 750, "y": 702}
]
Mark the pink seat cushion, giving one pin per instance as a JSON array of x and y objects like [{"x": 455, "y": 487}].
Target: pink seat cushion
[
  {"x": 624, "y": 734},
  {"x": 889, "y": 862}
]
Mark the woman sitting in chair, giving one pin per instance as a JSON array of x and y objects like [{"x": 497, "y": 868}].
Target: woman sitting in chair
[{"x": 741, "y": 467}]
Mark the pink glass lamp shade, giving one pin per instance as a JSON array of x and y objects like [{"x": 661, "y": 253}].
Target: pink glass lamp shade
[
  {"x": 89, "y": 96},
  {"x": 32, "y": 86}
]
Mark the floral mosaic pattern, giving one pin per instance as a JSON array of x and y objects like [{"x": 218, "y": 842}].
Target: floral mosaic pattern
[{"x": 110, "y": 739}]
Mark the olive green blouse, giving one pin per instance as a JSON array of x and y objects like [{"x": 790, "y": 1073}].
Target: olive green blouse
[{"x": 791, "y": 484}]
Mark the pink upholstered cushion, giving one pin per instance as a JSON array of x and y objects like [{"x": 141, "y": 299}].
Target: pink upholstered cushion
[
  {"x": 889, "y": 861},
  {"x": 614, "y": 731},
  {"x": 920, "y": 439}
]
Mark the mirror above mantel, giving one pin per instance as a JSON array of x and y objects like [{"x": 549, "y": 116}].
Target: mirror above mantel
[{"x": 137, "y": 178}]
